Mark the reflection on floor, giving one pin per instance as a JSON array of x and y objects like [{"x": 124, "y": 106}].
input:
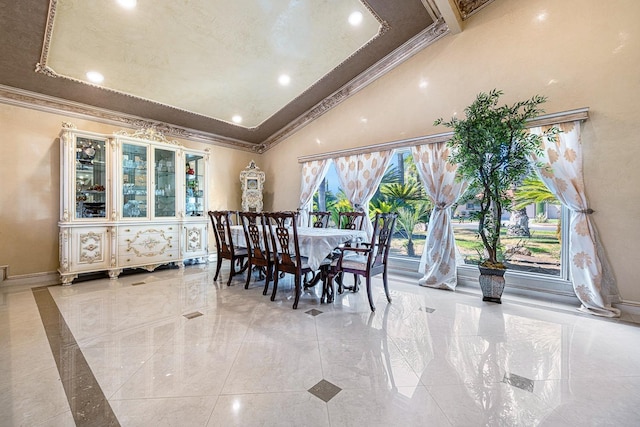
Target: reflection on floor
[{"x": 174, "y": 348}]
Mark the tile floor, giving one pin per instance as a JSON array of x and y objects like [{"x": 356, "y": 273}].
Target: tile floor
[{"x": 172, "y": 348}]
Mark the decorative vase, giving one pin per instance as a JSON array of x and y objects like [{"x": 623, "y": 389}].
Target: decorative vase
[{"x": 492, "y": 284}]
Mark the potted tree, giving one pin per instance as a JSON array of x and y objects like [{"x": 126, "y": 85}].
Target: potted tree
[{"x": 492, "y": 149}]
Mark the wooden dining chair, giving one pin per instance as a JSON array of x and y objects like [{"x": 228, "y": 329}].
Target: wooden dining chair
[
  {"x": 319, "y": 219},
  {"x": 351, "y": 220},
  {"x": 221, "y": 221},
  {"x": 284, "y": 236},
  {"x": 366, "y": 260},
  {"x": 258, "y": 248}
]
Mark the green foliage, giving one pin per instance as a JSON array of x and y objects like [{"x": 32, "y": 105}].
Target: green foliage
[
  {"x": 380, "y": 206},
  {"x": 491, "y": 147},
  {"x": 399, "y": 194},
  {"x": 532, "y": 190},
  {"x": 408, "y": 217}
]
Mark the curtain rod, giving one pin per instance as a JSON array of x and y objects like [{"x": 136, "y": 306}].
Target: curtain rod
[{"x": 544, "y": 120}]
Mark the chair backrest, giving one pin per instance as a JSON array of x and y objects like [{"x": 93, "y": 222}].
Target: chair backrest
[
  {"x": 351, "y": 220},
  {"x": 319, "y": 219},
  {"x": 221, "y": 221},
  {"x": 255, "y": 235},
  {"x": 284, "y": 240},
  {"x": 383, "y": 226}
]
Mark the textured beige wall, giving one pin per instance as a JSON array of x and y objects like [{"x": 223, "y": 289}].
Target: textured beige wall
[
  {"x": 30, "y": 185},
  {"x": 584, "y": 53}
]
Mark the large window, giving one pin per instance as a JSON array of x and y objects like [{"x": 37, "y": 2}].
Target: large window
[
  {"x": 531, "y": 236},
  {"x": 400, "y": 191},
  {"x": 531, "y": 239}
]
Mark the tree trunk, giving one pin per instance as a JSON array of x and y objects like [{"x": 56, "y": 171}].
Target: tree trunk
[
  {"x": 401, "y": 166},
  {"x": 322, "y": 196},
  {"x": 518, "y": 224}
]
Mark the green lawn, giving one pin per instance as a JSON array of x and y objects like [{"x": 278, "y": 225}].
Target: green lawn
[{"x": 543, "y": 245}]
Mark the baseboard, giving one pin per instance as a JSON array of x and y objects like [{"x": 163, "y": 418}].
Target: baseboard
[
  {"x": 27, "y": 281},
  {"x": 631, "y": 307}
]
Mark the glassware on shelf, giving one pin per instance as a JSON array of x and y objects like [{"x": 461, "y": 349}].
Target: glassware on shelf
[{"x": 90, "y": 174}]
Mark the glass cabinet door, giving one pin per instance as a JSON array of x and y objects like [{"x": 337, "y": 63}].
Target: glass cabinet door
[
  {"x": 165, "y": 183},
  {"x": 90, "y": 178},
  {"x": 134, "y": 181},
  {"x": 195, "y": 180}
]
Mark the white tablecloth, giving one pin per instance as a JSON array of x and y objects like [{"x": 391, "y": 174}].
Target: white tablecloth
[{"x": 314, "y": 243}]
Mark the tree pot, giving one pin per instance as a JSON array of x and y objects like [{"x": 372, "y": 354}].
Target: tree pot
[{"x": 492, "y": 284}]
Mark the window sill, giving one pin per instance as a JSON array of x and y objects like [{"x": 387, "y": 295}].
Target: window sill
[{"x": 518, "y": 283}]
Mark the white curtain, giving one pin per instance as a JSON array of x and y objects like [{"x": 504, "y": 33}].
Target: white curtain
[
  {"x": 438, "y": 261},
  {"x": 560, "y": 168},
  {"x": 360, "y": 176},
  {"x": 312, "y": 175}
]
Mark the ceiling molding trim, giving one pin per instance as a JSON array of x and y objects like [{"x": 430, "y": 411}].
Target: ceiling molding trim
[
  {"x": 49, "y": 104},
  {"x": 579, "y": 114},
  {"x": 42, "y": 68},
  {"x": 420, "y": 41}
]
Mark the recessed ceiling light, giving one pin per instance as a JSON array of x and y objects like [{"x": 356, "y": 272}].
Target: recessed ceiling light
[
  {"x": 284, "y": 79},
  {"x": 423, "y": 84},
  {"x": 127, "y": 4},
  {"x": 95, "y": 77},
  {"x": 355, "y": 18},
  {"x": 237, "y": 119}
]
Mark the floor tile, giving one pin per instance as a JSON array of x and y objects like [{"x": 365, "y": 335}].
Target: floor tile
[{"x": 440, "y": 356}]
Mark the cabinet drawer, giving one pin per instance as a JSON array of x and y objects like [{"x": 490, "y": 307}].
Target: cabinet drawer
[
  {"x": 130, "y": 232},
  {"x": 147, "y": 241},
  {"x": 130, "y": 259}
]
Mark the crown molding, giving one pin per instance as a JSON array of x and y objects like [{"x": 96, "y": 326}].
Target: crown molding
[{"x": 49, "y": 104}]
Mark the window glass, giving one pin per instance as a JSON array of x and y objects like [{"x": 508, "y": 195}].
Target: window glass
[{"x": 531, "y": 237}]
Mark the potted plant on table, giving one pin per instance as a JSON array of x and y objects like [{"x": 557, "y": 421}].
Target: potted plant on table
[{"x": 492, "y": 148}]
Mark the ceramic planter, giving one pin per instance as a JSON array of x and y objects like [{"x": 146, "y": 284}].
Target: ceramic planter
[{"x": 492, "y": 284}]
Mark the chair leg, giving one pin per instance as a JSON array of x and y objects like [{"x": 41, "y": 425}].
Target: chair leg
[
  {"x": 276, "y": 275},
  {"x": 356, "y": 282},
  {"x": 218, "y": 265},
  {"x": 327, "y": 288},
  {"x": 298, "y": 291},
  {"x": 386, "y": 284},
  {"x": 339, "y": 278},
  {"x": 371, "y": 304},
  {"x": 249, "y": 271},
  {"x": 232, "y": 272},
  {"x": 269, "y": 274}
]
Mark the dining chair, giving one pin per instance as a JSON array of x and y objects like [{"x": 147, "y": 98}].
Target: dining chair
[
  {"x": 366, "y": 260},
  {"x": 221, "y": 221},
  {"x": 284, "y": 238},
  {"x": 258, "y": 251},
  {"x": 319, "y": 219},
  {"x": 351, "y": 220}
]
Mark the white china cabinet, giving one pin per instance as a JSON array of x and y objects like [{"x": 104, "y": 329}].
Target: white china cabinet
[{"x": 129, "y": 201}]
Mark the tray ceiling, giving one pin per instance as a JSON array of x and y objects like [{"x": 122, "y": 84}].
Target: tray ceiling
[{"x": 207, "y": 69}]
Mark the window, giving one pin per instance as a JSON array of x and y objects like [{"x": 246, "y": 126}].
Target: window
[
  {"x": 531, "y": 234},
  {"x": 532, "y": 237}
]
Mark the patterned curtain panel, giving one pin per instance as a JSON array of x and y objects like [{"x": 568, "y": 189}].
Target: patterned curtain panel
[
  {"x": 312, "y": 175},
  {"x": 560, "y": 168},
  {"x": 438, "y": 261},
  {"x": 359, "y": 176}
]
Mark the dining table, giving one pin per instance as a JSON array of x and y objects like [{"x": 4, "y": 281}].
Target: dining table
[{"x": 316, "y": 244}]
